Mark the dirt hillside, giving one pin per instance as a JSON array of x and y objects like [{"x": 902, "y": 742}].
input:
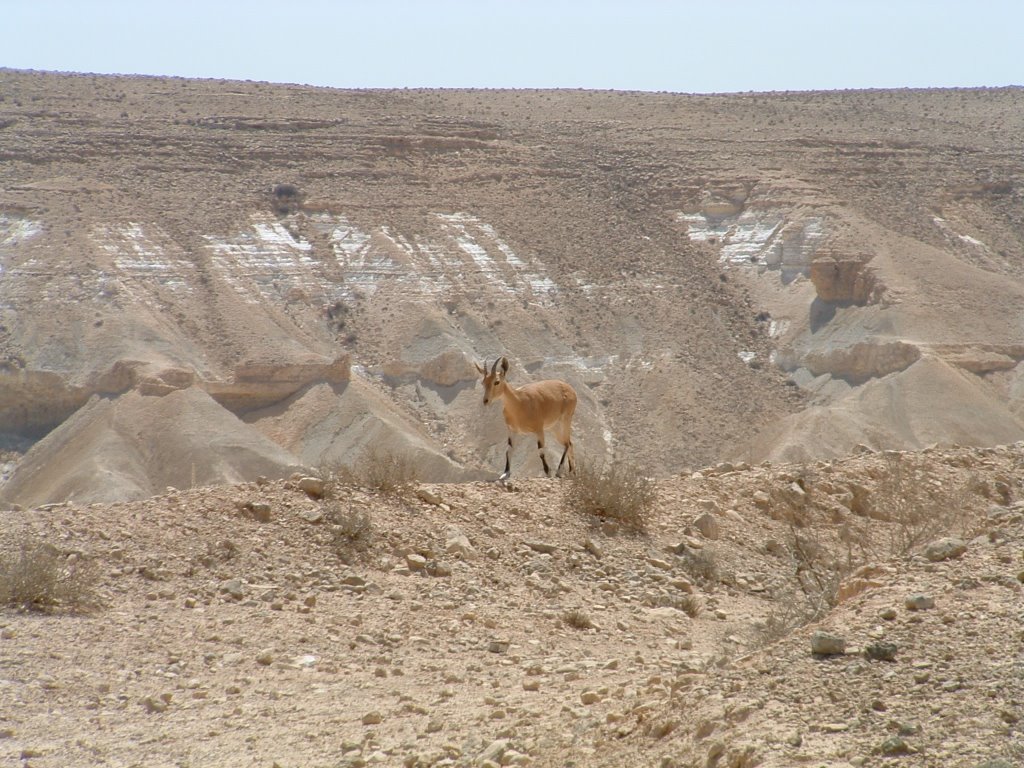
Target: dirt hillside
[
  {"x": 467, "y": 625},
  {"x": 326, "y": 267}
]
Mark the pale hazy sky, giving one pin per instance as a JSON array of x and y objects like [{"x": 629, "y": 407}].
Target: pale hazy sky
[{"x": 703, "y": 46}]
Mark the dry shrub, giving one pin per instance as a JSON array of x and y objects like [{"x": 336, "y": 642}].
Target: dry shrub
[
  {"x": 615, "y": 491},
  {"x": 387, "y": 473},
  {"x": 351, "y": 529},
  {"x": 919, "y": 511},
  {"x": 577, "y": 619},
  {"x": 688, "y": 604},
  {"x": 37, "y": 577},
  {"x": 699, "y": 564},
  {"x": 789, "y": 612}
]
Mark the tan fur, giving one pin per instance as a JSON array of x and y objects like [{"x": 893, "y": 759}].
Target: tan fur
[{"x": 531, "y": 409}]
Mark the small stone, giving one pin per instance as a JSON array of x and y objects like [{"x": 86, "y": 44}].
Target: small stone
[
  {"x": 8, "y": 633},
  {"x": 498, "y": 646},
  {"x": 593, "y": 548},
  {"x": 234, "y": 588},
  {"x": 415, "y": 562},
  {"x": 312, "y": 516},
  {"x": 265, "y": 657},
  {"x": 154, "y": 704},
  {"x": 493, "y": 752},
  {"x": 372, "y": 718},
  {"x": 543, "y": 547},
  {"x": 881, "y": 651},
  {"x": 428, "y": 496},
  {"x": 795, "y": 739},
  {"x": 826, "y": 644},
  {"x": 313, "y": 486},
  {"x": 947, "y": 548},
  {"x": 458, "y": 545},
  {"x": 261, "y": 511},
  {"x": 888, "y": 613},
  {"x": 661, "y": 565},
  {"x": 309, "y": 601},
  {"x": 439, "y": 570},
  {"x": 919, "y": 602},
  {"x": 907, "y": 728},
  {"x": 895, "y": 745},
  {"x": 709, "y": 526},
  {"x": 590, "y": 697},
  {"x": 531, "y": 685}
]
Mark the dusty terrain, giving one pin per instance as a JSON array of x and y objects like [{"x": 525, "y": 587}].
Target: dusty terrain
[
  {"x": 473, "y": 626},
  {"x": 800, "y": 313}
]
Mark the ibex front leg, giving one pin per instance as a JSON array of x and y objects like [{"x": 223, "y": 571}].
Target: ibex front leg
[
  {"x": 543, "y": 458},
  {"x": 508, "y": 461}
]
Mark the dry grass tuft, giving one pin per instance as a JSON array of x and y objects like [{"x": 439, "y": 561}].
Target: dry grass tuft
[
  {"x": 577, "y": 619},
  {"x": 390, "y": 474},
  {"x": 615, "y": 491},
  {"x": 37, "y": 577}
]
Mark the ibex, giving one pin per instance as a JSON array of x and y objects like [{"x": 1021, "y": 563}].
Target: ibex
[{"x": 530, "y": 409}]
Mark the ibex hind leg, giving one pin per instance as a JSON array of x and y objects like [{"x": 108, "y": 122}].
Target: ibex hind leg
[
  {"x": 566, "y": 454},
  {"x": 569, "y": 454}
]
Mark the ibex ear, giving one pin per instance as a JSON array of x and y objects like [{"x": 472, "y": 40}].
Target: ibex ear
[
  {"x": 481, "y": 371},
  {"x": 504, "y": 365}
]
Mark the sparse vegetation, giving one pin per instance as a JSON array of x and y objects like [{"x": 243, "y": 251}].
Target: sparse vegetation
[
  {"x": 386, "y": 472},
  {"x": 615, "y": 491},
  {"x": 351, "y": 528},
  {"x": 38, "y": 577},
  {"x": 919, "y": 511},
  {"x": 699, "y": 564},
  {"x": 577, "y": 619}
]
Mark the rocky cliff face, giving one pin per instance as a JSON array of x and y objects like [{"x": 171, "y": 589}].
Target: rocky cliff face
[{"x": 326, "y": 267}]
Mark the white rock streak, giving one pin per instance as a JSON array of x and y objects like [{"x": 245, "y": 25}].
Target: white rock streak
[
  {"x": 270, "y": 261},
  {"x": 759, "y": 238},
  {"x": 16, "y": 230}
]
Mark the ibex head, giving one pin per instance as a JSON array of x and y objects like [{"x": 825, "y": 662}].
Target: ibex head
[{"x": 494, "y": 382}]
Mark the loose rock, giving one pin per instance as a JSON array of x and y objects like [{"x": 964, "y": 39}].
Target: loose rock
[
  {"x": 826, "y": 644},
  {"x": 947, "y": 548},
  {"x": 881, "y": 651},
  {"x": 919, "y": 602}
]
